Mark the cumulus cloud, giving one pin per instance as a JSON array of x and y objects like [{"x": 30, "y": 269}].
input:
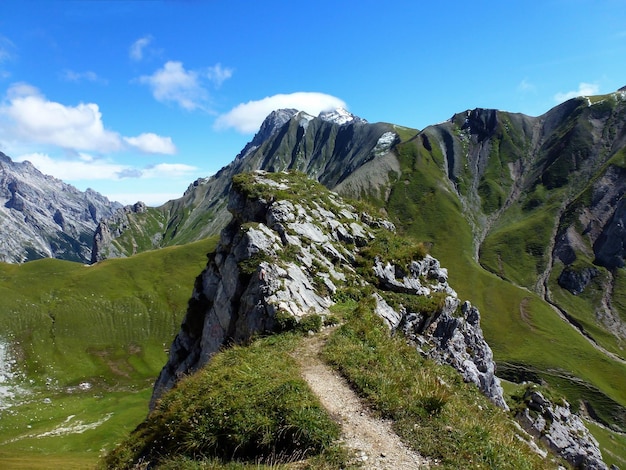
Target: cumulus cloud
[
  {"x": 28, "y": 117},
  {"x": 186, "y": 88},
  {"x": 247, "y": 117},
  {"x": 136, "y": 50},
  {"x": 151, "y": 143},
  {"x": 584, "y": 89},
  {"x": 31, "y": 117},
  {"x": 174, "y": 83},
  {"x": 218, "y": 74}
]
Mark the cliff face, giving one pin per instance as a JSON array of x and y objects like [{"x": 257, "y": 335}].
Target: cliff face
[
  {"x": 42, "y": 217},
  {"x": 290, "y": 249}
]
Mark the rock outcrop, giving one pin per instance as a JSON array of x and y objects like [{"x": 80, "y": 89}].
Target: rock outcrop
[
  {"x": 561, "y": 430},
  {"x": 42, "y": 217},
  {"x": 291, "y": 243}
]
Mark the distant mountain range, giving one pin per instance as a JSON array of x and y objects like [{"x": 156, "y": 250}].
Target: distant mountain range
[
  {"x": 42, "y": 217},
  {"x": 527, "y": 213}
]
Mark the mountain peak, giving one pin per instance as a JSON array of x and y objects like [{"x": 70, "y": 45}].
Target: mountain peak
[{"x": 340, "y": 116}]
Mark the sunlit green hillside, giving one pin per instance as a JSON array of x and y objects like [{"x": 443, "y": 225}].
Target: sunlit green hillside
[{"x": 90, "y": 340}]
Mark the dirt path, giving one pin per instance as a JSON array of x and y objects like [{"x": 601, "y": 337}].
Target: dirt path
[{"x": 372, "y": 439}]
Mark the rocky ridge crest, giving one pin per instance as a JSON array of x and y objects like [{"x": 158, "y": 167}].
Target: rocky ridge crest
[{"x": 293, "y": 245}]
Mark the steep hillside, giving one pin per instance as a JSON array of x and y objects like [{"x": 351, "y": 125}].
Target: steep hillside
[
  {"x": 42, "y": 217},
  {"x": 80, "y": 347}
]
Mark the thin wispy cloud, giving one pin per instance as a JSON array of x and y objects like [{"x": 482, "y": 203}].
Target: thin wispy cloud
[
  {"x": 218, "y": 74},
  {"x": 187, "y": 88},
  {"x": 584, "y": 89},
  {"x": 88, "y": 167},
  {"x": 137, "y": 49},
  {"x": 152, "y": 143},
  {"x": 77, "y": 77},
  {"x": 7, "y": 49},
  {"x": 248, "y": 117},
  {"x": 525, "y": 86}
]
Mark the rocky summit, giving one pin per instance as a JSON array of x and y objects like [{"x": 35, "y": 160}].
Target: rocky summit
[{"x": 42, "y": 217}]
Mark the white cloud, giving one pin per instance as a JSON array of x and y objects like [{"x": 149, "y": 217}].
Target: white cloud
[
  {"x": 247, "y": 117},
  {"x": 28, "y": 118},
  {"x": 151, "y": 143},
  {"x": 34, "y": 118},
  {"x": 218, "y": 74},
  {"x": 187, "y": 88},
  {"x": 76, "y": 77},
  {"x": 85, "y": 168},
  {"x": 137, "y": 48},
  {"x": 172, "y": 170},
  {"x": 174, "y": 83},
  {"x": 584, "y": 89}
]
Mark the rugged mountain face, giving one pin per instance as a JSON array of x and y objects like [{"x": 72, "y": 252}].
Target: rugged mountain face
[
  {"x": 41, "y": 216},
  {"x": 293, "y": 248},
  {"x": 544, "y": 195},
  {"x": 329, "y": 147}
]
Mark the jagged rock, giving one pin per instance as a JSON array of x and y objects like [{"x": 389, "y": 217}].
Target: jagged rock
[
  {"x": 109, "y": 229},
  {"x": 261, "y": 274},
  {"x": 576, "y": 281},
  {"x": 610, "y": 247},
  {"x": 391, "y": 277},
  {"x": 40, "y": 216},
  {"x": 563, "y": 431},
  {"x": 281, "y": 258},
  {"x": 457, "y": 340}
]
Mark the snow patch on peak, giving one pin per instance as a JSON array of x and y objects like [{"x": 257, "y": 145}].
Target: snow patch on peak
[
  {"x": 340, "y": 116},
  {"x": 304, "y": 119}
]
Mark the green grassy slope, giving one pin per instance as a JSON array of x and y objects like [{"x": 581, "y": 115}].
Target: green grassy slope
[
  {"x": 525, "y": 333},
  {"x": 105, "y": 326}
]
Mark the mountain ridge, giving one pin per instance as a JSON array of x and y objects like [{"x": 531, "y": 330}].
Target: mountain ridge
[{"x": 42, "y": 216}]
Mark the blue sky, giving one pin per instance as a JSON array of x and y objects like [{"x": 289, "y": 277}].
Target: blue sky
[{"x": 137, "y": 99}]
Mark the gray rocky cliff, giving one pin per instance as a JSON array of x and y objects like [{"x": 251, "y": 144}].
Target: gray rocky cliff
[
  {"x": 561, "y": 430},
  {"x": 290, "y": 247},
  {"x": 284, "y": 255},
  {"x": 42, "y": 217}
]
